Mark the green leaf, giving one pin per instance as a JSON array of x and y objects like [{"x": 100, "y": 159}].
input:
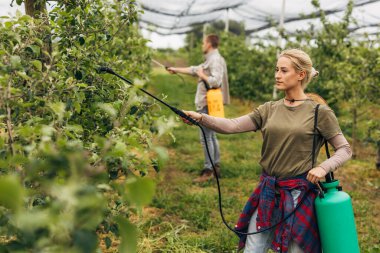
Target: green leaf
[
  {"x": 11, "y": 193},
  {"x": 39, "y": 41},
  {"x": 108, "y": 242},
  {"x": 8, "y": 24},
  {"x": 108, "y": 108},
  {"x": 37, "y": 64},
  {"x": 78, "y": 75},
  {"x": 140, "y": 191},
  {"x": 85, "y": 240},
  {"x": 81, "y": 40},
  {"x": 77, "y": 106},
  {"x": 58, "y": 108},
  {"x": 84, "y": 85},
  {"x": 34, "y": 49},
  {"x": 163, "y": 155},
  {"x": 15, "y": 62},
  {"x": 120, "y": 149},
  {"x": 128, "y": 233},
  {"x": 19, "y": 2},
  {"x": 23, "y": 75},
  {"x": 133, "y": 110},
  {"x": 75, "y": 128}
]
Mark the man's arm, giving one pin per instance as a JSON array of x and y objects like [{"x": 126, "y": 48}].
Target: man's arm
[
  {"x": 214, "y": 80},
  {"x": 187, "y": 70}
]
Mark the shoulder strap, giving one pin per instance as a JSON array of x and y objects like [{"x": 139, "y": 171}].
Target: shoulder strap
[
  {"x": 314, "y": 136},
  {"x": 206, "y": 85},
  {"x": 329, "y": 176}
]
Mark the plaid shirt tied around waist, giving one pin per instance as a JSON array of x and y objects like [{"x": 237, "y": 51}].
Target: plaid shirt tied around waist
[{"x": 274, "y": 201}]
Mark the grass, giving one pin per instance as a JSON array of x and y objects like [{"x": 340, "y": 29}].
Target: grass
[{"x": 184, "y": 216}]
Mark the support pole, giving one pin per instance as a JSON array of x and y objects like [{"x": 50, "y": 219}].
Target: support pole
[
  {"x": 205, "y": 25},
  {"x": 279, "y": 41},
  {"x": 227, "y": 21}
]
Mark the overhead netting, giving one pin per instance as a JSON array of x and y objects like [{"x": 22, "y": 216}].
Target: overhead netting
[{"x": 260, "y": 17}]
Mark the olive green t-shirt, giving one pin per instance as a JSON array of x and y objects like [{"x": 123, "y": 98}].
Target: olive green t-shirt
[{"x": 288, "y": 135}]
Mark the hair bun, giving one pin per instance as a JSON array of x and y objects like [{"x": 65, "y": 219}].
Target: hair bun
[{"x": 314, "y": 73}]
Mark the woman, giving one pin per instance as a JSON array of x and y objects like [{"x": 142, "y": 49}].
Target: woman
[{"x": 287, "y": 129}]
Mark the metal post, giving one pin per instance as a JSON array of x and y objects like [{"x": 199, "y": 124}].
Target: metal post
[
  {"x": 204, "y": 29},
  {"x": 227, "y": 21},
  {"x": 281, "y": 25},
  {"x": 279, "y": 41}
]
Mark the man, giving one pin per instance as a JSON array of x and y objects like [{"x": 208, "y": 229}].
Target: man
[{"x": 211, "y": 74}]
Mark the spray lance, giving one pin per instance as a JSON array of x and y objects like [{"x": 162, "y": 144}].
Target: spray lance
[
  {"x": 194, "y": 122},
  {"x": 166, "y": 67},
  {"x": 174, "y": 109}
]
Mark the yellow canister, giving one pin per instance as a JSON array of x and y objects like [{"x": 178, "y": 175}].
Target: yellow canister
[{"x": 215, "y": 102}]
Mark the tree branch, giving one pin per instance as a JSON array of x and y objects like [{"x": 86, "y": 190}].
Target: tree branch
[{"x": 9, "y": 119}]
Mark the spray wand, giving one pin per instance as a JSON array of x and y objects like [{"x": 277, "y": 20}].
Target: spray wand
[
  {"x": 174, "y": 109},
  {"x": 194, "y": 122},
  {"x": 166, "y": 67}
]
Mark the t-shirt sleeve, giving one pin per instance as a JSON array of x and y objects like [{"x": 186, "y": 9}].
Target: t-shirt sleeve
[
  {"x": 328, "y": 124},
  {"x": 259, "y": 115}
]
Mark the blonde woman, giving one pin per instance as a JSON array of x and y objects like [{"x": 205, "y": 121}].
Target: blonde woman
[{"x": 287, "y": 129}]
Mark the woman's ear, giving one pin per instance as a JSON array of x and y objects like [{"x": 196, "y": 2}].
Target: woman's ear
[{"x": 301, "y": 75}]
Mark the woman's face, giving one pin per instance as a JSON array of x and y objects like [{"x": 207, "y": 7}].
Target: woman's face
[{"x": 286, "y": 76}]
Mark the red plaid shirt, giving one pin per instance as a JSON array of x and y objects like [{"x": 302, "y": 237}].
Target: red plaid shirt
[{"x": 272, "y": 207}]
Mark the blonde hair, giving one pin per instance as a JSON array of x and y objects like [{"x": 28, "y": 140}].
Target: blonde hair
[
  {"x": 301, "y": 62},
  {"x": 316, "y": 98}
]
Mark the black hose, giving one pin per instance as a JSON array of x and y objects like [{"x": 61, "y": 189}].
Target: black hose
[
  {"x": 194, "y": 122},
  {"x": 220, "y": 198}
]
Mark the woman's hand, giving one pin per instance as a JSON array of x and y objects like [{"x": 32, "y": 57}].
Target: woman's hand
[
  {"x": 316, "y": 174},
  {"x": 194, "y": 115}
]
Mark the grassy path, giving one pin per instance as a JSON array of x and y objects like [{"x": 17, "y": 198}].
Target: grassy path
[{"x": 184, "y": 216}]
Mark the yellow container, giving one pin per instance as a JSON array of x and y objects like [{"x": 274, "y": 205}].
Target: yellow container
[{"x": 215, "y": 103}]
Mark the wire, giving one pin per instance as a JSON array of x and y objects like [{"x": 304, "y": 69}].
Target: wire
[{"x": 174, "y": 28}]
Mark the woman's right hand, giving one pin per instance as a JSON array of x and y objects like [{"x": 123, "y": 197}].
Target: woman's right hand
[{"x": 194, "y": 115}]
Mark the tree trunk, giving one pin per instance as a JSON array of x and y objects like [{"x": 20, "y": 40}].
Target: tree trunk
[
  {"x": 9, "y": 120},
  {"x": 37, "y": 10},
  {"x": 378, "y": 156},
  {"x": 354, "y": 127},
  {"x": 34, "y": 8}
]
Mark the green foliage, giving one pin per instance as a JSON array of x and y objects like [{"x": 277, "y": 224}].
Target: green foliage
[
  {"x": 250, "y": 69},
  {"x": 68, "y": 136},
  {"x": 128, "y": 234},
  {"x": 11, "y": 193}
]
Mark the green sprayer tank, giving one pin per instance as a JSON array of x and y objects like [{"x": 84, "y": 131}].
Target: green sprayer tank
[{"x": 336, "y": 220}]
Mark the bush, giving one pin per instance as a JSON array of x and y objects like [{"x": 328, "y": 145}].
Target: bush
[{"x": 69, "y": 136}]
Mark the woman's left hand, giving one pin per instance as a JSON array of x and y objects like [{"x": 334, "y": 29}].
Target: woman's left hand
[
  {"x": 194, "y": 115},
  {"x": 316, "y": 174}
]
